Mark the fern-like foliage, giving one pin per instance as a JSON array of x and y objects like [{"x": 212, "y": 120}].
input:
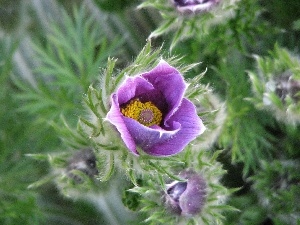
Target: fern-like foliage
[{"x": 67, "y": 62}]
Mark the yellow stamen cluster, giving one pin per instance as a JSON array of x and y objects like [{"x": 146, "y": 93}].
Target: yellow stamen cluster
[{"x": 145, "y": 113}]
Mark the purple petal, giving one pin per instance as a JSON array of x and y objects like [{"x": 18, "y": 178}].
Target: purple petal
[
  {"x": 170, "y": 83},
  {"x": 193, "y": 198},
  {"x": 185, "y": 126},
  {"x": 191, "y": 127},
  {"x": 192, "y": 6},
  {"x": 115, "y": 117},
  {"x": 133, "y": 87},
  {"x": 146, "y": 137}
]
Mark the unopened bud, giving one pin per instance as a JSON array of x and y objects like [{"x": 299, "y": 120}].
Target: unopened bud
[{"x": 188, "y": 197}]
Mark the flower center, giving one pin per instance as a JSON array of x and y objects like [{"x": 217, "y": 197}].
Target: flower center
[{"x": 145, "y": 113}]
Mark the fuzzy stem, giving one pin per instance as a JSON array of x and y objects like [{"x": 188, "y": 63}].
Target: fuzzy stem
[{"x": 110, "y": 217}]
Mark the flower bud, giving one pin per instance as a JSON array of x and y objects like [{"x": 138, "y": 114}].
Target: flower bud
[
  {"x": 188, "y": 197},
  {"x": 194, "y": 6},
  {"x": 286, "y": 85},
  {"x": 277, "y": 84},
  {"x": 84, "y": 161}
]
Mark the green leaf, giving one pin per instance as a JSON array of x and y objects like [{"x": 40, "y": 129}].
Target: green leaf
[{"x": 163, "y": 28}]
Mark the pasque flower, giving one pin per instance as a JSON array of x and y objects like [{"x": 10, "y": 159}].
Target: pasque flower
[
  {"x": 188, "y": 197},
  {"x": 150, "y": 112}
]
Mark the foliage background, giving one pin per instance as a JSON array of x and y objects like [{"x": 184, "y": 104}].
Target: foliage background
[{"x": 51, "y": 51}]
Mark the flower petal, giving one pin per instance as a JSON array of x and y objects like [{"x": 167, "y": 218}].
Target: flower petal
[
  {"x": 193, "y": 198},
  {"x": 115, "y": 117},
  {"x": 146, "y": 137},
  {"x": 133, "y": 87},
  {"x": 194, "y": 6},
  {"x": 170, "y": 83},
  {"x": 191, "y": 127},
  {"x": 160, "y": 142}
]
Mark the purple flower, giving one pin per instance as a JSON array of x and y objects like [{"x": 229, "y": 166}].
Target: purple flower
[
  {"x": 186, "y": 198},
  {"x": 194, "y": 6},
  {"x": 150, "y": 112}
]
